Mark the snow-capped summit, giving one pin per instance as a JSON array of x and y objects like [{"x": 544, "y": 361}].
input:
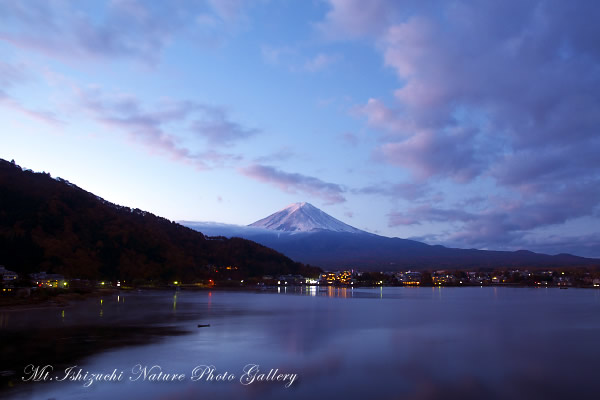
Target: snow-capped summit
[{"x": 303, "y": 217}]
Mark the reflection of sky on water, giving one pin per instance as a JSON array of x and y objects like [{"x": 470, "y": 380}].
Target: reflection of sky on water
[{"x": 396, "y": 343}]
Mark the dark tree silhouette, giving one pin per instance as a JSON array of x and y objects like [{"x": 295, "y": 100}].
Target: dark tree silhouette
[{"x": 52, "y": 225}]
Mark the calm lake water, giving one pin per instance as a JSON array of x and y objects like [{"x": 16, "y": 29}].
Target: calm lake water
[{"x": 385, "y": 343}]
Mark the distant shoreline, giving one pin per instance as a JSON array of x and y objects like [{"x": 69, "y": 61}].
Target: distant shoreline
[
  {"x": 50, "y": 300},
  {"x": 64, "y": 299}
]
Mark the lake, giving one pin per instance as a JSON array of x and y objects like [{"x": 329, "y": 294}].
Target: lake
[{"x": 309, "y": 342}]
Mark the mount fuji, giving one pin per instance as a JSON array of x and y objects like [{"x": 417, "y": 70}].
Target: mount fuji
[
  {"x": 303, "y": 217},
  {"x": 306, "y": 234}
]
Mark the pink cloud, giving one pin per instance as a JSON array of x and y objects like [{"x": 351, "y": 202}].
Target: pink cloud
[
  {"x": 13, "y": 104},
  {"x": 428, "y": 154},
  {"x": 296, "y": 183},
  {"x": 163, "y": 130},
  {"x": 519, "y": 77},
  {"x": 506, "y": 221},
  {"x": 409, "y": 191},
  {"x": 127, "y": 29},
  {"x": 354, "y": 18}
]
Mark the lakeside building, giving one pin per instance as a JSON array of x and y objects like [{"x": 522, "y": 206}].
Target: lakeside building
[
  {"x": 284, "y": 280},
  {"x": 292, "y": 280},
  {"x": 337, "y": 277},
  {"x": 8, "y": 279},
  {"x": 443, "y": 278},
  {"x": 409, "y": 277},
  {"x": 42, "y": 279},
  {"x": 8, "y": 276}
]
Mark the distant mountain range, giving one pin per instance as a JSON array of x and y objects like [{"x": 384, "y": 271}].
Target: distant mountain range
[
  {"x": 51, "y": 225},
  {"x": 309, "y": 235}
]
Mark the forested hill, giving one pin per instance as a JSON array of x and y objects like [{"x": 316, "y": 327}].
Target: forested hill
[{"x": 51, "y": 225}]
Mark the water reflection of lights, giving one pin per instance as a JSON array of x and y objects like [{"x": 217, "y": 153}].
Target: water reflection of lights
[
  {"x": 339, "y": 292},
  {"x": 175, "y": 302},
  {"x": 437, "y": 291},
  {"x": 3, "y": 320},
  {"x": 314, "y": 290}
]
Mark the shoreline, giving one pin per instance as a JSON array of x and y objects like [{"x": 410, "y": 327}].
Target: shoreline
[
  {"x": 51, "y": 300},
  {"x": 66, "y": 299}
]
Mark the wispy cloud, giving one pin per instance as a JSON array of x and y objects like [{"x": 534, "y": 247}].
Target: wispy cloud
[
  {"x": 282, "y": 154},
  {"x": 12, "y": 74},
  {"x": 14, "y": 105},
  {"x": 429, "y": 154},
  {"x": 587, "y": 245},
  {"x": 215, "y": 125},
  {"x": 296, "y": 59},
  {"x": 355, "y": 18},
  {"x": 321, "y": 61},
  {"x": 120, "y": 28},
  {"x": 275, "y": 55},
  {"x": 505, "y": 221},
  {"x": 165, "y": 128},
  {"x": 229, "y": 10},
  {"x": 331, "y": 193},
  {"x": 350, "y": 139},
  {"x": 408, "y": 191},
  {"x": 427, "y": 213}
]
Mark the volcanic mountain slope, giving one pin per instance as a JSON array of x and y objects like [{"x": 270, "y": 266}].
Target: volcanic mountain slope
[
  {"x": 303, "y": 217},
  {"x": 307, "y": 234}
]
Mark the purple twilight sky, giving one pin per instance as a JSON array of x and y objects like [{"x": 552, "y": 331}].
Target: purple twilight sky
[{"x": 466, "y": 123}]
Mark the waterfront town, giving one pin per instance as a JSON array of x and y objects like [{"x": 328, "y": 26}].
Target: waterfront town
[{"x": 12, "y": 284}]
